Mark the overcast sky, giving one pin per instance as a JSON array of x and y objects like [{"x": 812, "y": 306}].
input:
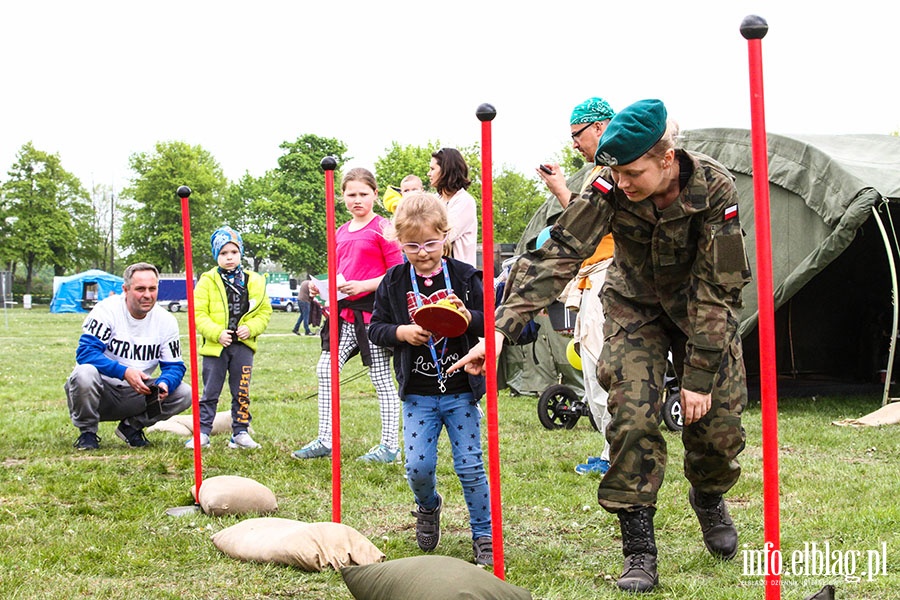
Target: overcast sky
[{"x": 97, "y": 81}]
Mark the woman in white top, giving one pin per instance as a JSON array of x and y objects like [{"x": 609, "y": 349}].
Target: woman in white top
[{"x": 449, "y": 175}]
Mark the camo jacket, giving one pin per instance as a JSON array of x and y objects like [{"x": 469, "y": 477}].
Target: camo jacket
[{"x": 687, "y": 262}]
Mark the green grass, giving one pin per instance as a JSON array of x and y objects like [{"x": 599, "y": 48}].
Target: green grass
[{"x": 93, "y": 525}]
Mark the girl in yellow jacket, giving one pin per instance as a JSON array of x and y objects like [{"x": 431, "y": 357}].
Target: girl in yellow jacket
[{"x": 231, "y": 309}]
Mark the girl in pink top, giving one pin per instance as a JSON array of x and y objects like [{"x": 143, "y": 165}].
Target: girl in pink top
[{"x": 363, "y": 257}]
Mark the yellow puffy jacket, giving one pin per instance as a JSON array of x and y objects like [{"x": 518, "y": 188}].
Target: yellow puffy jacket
[{"x": 211, "y": 310}]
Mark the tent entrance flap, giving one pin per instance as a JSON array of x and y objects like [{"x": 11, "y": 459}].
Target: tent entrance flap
[{"x": 833, "y": 269}]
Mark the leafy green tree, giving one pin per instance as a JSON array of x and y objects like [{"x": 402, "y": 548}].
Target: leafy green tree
[
  {"x": 256, "y": 206},
  {"x": 516, "y": 198},
  {"x": 401, "y": 161},
  {"x": 152, "y": 221},
  {"x": 46, "y": 215},
  {"x": 298, "y": 235}
]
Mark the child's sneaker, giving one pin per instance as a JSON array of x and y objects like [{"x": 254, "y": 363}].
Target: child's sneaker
[
  {"x": 204, "y": 442},
  {"x": 242, "y": 441},
  {"x": 314, "y": 449},
  {"x": 381, "y": 454},
  {"x": 483, "y": 548},
  {"x": 428, "y": 526},
  {"x": 594, "y": 464}
]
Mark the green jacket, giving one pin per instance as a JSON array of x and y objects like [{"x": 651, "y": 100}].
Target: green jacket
[
  {"x": 211, "y": 310},
  {"x": 687, "y": 262}
]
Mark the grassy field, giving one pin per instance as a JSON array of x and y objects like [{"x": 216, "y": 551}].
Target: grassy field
[{"x": 93, "y": 525}]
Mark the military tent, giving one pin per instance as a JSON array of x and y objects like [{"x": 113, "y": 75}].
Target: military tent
[
  {"x": 532, "y": 368},
  {"x": 833, "y": 204},
  {"x": 79, "y": 292}
]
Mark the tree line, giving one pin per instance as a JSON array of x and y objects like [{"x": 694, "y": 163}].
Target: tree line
[{"x": 48, "y": 220}]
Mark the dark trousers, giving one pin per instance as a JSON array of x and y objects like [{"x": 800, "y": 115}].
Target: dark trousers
[{"x": 235, "y": 363}]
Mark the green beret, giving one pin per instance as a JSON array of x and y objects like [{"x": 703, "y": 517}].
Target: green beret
[
  {"x": 591, "y": 110},
  {"x": 631, "y": 133}
]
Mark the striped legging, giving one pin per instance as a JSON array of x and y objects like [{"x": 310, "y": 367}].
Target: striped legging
[{"x": 382, "y": 379}]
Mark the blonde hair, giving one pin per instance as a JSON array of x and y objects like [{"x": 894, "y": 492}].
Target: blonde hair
[
  {"x": 359, "y": 174},
  {"x": 417, "y": 212},
  {"x": 666, "y": 142}
]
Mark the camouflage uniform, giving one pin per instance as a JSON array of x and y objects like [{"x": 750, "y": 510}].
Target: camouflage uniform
[{"x": 675, "y": 283}]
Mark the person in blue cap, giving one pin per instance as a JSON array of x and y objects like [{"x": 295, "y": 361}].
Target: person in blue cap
[
  {"x": 231, "y": 310},
  {"x": 675, "y": 284}
]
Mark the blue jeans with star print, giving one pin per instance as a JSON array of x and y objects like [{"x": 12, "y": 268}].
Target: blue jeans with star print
[{"x": 424, "y": 417}]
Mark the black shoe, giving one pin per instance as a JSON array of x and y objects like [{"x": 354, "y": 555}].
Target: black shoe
[
  {"x": 483, "y": 548},
  {"x": 719, "y": 533},
  {"x": 428, "y": 526},
  {"x": 639, "y": 547},
  {"x": 88, "y": 440},
  {"x": 131, "y": 436},
  {"x": 295, "y": 332}
]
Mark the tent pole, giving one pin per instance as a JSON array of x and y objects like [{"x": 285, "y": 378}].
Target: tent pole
[{"x": 893, "y": 344}]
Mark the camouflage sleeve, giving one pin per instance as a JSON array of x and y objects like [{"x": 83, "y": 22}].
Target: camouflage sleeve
[
  {"x": 720, "y": 271},
  {"x": 538, "y": 276}
]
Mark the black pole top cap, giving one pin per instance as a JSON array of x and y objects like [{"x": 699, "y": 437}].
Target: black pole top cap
[
  {"x": 183, "y": 191},
  {"x": 486, "y": 112},
  {"x": 754, "y": 27},
  {"x": 329, "y": 163}
]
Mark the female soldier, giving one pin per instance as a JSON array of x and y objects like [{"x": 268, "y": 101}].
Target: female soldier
[{"x": 675, "y": 284}]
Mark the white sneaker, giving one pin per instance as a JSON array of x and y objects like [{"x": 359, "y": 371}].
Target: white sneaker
[
  {"x": 243, "y": 441},
  {"x": 204, "y": 442}
]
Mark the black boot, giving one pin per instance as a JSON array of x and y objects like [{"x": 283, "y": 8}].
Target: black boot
[
  {"x": 719, "y": 534},
  {"x": 639, "y": 548}
]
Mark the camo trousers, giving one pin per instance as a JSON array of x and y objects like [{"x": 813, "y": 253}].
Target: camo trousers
[{"x": 632, "y": 368}]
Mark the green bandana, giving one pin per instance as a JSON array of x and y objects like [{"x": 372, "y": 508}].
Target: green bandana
[{"x": 591, "y": 110}]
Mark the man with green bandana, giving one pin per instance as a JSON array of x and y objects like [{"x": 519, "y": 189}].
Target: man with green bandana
[
  {"x": 588, "y": 122},
  {"x": 675, "y": 284}
]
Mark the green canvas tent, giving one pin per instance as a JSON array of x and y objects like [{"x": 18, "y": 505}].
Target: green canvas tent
[
  {"x": 834, "y": 205},
  {"x": 532, "y": 368}
]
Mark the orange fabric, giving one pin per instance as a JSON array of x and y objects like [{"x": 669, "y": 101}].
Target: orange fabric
[{"x": 603, "y": 251}]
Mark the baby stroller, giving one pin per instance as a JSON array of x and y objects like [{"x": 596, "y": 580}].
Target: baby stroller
[{"x": 560, "y": 407}]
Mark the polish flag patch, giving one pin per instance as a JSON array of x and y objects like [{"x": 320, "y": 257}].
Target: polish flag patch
[
  {"x": 731, "y": 212},
  {"x": 601, "y": 185}
]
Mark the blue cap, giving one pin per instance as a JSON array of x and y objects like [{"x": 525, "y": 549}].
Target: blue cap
[{"x": 222, "y": 236}]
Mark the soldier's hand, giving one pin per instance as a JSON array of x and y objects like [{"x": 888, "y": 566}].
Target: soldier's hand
[
  {"x": 694, "y": 405},
  {"x": 473, "y": 362}
]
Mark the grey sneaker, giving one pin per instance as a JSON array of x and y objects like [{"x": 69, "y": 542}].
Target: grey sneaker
[
  {"x": 483, "y": 548},
  {"x": 381, "y": 454},
  {"x": 428, "y": 526},
  {"x": 242, "y": 441},
  {"x": 204, "y": 442},
  {"x": 314, "y": 449}
]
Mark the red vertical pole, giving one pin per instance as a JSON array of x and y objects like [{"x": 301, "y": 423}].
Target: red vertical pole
[
  {"x": 329, "y": 164},
  {"x": 486, "y": 114},
  {"x": 184, "y": 192},
  {"x": 753, "y": 29}
]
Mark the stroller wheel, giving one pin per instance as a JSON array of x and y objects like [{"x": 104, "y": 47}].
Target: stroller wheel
[
  {"x": 556, "y": 407},
  {"x": 671, "y": 413}
]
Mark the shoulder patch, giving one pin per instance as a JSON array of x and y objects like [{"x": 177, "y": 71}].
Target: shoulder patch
[{"x": 731, "y": 212}]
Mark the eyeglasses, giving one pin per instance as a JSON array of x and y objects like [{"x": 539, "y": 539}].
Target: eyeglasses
[
  {"x": 429, "y": 246},
  {"x": 580, "y": 131}
]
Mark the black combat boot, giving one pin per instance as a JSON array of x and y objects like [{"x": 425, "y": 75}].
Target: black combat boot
[
  {"x": 719, "y": 534},
  {"x": 639, "y": 548}
]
